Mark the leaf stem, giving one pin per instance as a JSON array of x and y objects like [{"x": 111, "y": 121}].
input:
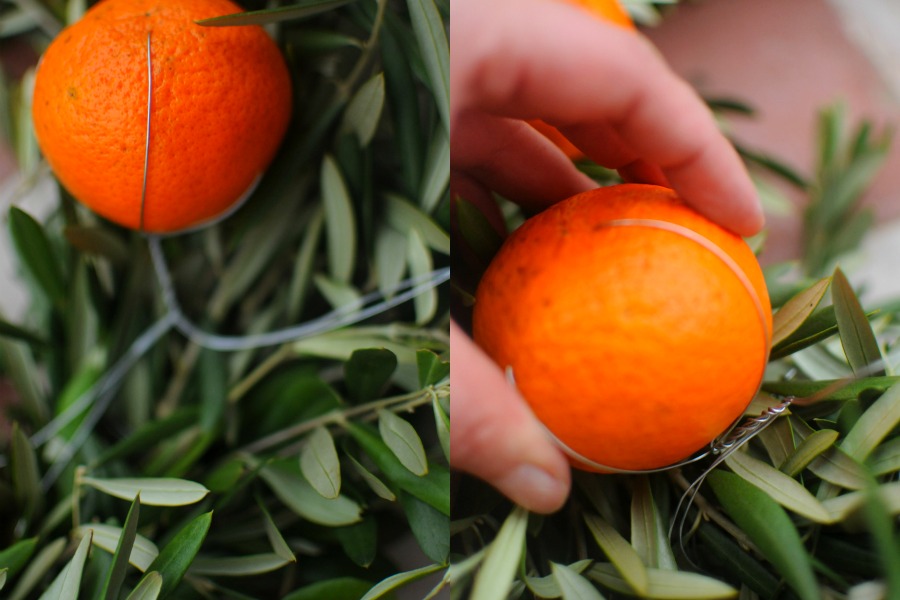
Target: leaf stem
[{"x": 349, "y": 82}]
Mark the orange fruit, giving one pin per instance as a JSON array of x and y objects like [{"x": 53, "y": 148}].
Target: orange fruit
[
  {"x": 606, "y": 10},
  {"x": 221, "y": 102},
  {"x": 635, "y": 328}
]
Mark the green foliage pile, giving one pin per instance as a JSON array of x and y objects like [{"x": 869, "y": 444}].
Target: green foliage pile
[
  {"x": 807, "y": 508},
  {"x": 137, "y": 458}
]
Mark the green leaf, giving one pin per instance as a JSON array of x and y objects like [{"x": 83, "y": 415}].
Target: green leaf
[
  {"x": 797, "y": 310},
  {"x": 403, "y": 216},
  {"x": 149, "y": 588},
  {"x": 122, "y": 551},
  {"x": 664, "y": 584},
  {"x": 403, "y": 440},
  {"x": 26, "y": 480},
  {"x": 420, "y": 266},
  {"x": 360, "y": 541},
  {"x": 625, "y": 558},
  {"x": 300, "y": 10},
  {"x": 431, "y": 368},
  {"x": 497, "y": 572},
  {"x": 276, "y": 540},
  {"x": 874, "y": 425},
  {"x": 213, "y": 388},
  {"x": 548, "y": 586},
  {"x": 297, "y": 494},
  {"x": 735, "y": 563},
  {"x": 340, "y": 588},
  {"x": 364, "y": 110},
  {"x": 442, "y": 425},
  {"x": 3, "y": 573},
  {"x": 432, "y": 40},
  {"x": 368, "y": 372},
  {"x": 572, "y": 585},
  {"x": 375, "y": 484},
  {"x": 36, "y": 254},
  {"x": 390, "y": 258},
  {"x": 857, "y": 337},
  {"x": 38, "y": 568},
  {"x": 97, "y": 241},
  {"x": 68, "y": 583},
  {"x": 176, "y": 557},
  {"x": 13, "y": 558},
  {"x": 841, "y": 507},
  {"x": 399, "y": 580},
  {"x": 808, "y": 450},
  {"x": 430, "y": 527},
  {"x": 648, "y": 533},
  {"x": 238, "y": 566},
  {"x": 437, "y": 171},
  {"x": 433, "y": 488},
  {"x": 770, "y": 529},
  {"x": 340, "y": 222},
  {"x": 320, "y": 464},
  {"x": 785, "y": 490},
  {"x": 162, "y": 491},
  {"x": 141, "y": 554}
]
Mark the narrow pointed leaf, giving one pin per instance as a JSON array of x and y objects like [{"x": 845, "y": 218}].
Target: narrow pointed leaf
[
  {"x": 429, "y": 29},
  {"x": 279, "y": 545},
  {"x": 394, "y": 582},
  {"x": 403, "y": 216},
  {"x": 274, "y": 15},
  {"x": 162, "y": 491},
  {"x": 26, "y": 479},
  {"x": 238, "y": 566},
  {"x": 149, "y": 588},
  {"x": 38, "y": 568},
  {"x": 109, "y": 537},
  {"x": 495, "y": 577},
  {"x": 37, "y": 255},
  {"x": 572, "y": 585},
  {"x": 431, "y": 368},
  {"x": 770, "y": 529},
  {"x": 796, "y": 310},
  {"x": 364, "y": 110},
  {"x": 176, "y": 557},
  {"x": 648, "y": 535},
  {"x": 375, "y": 484},
  {"x": 296, "y": 493},
  {"x": 122, "y": 551},
  {"x": 785, "y": 490},
  {"x": 619, "y": 552},
  {"x": 808, "y": 450},
  {"x": 339, "y": 588},
  {"x": 874, "y": 425},
  {"x": 548, "y": 586},
  {"x": 68, "y": 583},
  {"x": 15, "y": 332},
  {"x": 16, "y": 556},
  {"x": 420, "y": 265},
  {"x": 340, "y": 222},
  {"x": 664, "y": 584},
  {"x": 437, "y": 171},
  {"x": 442, "y": 425},
  {"x": 320, "y": 464},
  {"x": 403, "y": 440},
  {"x": 857, "y": 337},
  {"x": 390, "y": 258},
  {"x": 3, "y": 573}
]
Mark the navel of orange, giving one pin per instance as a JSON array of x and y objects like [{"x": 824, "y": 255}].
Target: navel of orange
[
  {"x": 221, "y": 102},
  {"x": 635, "y": 328}
]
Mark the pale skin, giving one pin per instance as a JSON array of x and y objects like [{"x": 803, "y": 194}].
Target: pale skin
[{"x": 612, "y": 94}]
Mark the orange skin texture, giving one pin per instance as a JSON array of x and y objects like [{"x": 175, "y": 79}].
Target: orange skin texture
[
  {"x": 606, "y": 10},
  {"x": 635, "y": 346},
  {"x": 221, "y": 103}
]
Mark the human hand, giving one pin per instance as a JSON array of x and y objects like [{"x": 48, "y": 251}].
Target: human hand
[{"x": 610, "y": 93}]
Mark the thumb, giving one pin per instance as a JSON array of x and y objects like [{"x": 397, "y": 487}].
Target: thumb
[{"x": 494, "y": 436}]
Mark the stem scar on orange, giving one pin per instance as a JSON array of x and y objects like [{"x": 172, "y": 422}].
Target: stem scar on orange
[
  {"x": 221, "y": 103},
  {"x": 636, "y": 329}
]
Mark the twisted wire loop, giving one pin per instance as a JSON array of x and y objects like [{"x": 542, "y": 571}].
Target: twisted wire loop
[
  {"x": 749, "y": 428},
  {"x": 94, "y": 402}
]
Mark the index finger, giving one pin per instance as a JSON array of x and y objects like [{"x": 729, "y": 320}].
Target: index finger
[{"x": 547, "y": 59}]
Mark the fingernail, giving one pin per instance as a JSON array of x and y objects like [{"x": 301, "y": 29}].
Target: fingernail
[{"x": 534, "y": 488}]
